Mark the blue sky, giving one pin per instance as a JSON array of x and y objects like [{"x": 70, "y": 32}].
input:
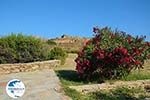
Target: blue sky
[{"x": 52, "y": 18}]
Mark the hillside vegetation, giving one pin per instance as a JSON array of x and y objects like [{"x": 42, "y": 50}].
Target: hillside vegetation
[{"x": 19, "y": 48}]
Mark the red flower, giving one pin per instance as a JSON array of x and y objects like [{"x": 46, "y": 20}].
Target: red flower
[
  {"x": 126, "y": 59},
  {"x": 79, "y": 69},
  {"x": 81, "y": 53},
  {"x": 147, "y": 44},
  {"x": 87, "y": 62},
  {"x": 137, "y": 62},
  {"x": 116, "y": 50},
  {"x": 110, "y": 55},
  {"x": 122, "y": 50},
  {"x": 129, "y": 40},
  {"x": 100, "y": 54},
  {"x": 136, "y": 51},
  {"x": 131, "y": 59}
]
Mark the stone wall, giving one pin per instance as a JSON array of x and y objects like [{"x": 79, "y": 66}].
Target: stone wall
[{"x": 26, "y": 67}]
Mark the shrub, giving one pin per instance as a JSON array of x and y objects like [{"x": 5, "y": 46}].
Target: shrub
[
  {"x": 111, "y": 55},
  {"x": 19, "y": 48},
  {"x": 51, "y": 42},
  {"x": 72, "y": 51},
  {"x": 57, "y": 53}
]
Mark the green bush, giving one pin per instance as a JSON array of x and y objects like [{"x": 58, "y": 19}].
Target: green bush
[
  {"x": 17, "y": 48},
  {"x": 57, "y": 53},
  {"x": 72, "y": 51}
]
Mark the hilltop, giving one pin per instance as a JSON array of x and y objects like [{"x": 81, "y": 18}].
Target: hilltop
[{"x": 70, "y": 43}]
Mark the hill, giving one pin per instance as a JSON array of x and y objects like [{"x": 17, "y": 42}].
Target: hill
[{"x": 70, "y": 43}]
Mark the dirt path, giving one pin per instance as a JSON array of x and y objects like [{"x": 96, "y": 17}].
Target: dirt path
[
  {"x": 70, "y": 64},
  {"x": 40, "y": 85},
  {"x": 143, "y": 84}
]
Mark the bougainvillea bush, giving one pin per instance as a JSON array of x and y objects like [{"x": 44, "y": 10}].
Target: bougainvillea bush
[{"x": 111, "y": 54}]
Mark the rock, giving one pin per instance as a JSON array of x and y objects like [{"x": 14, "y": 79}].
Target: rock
[
  {"x": 58, "y": 89},
  {"x": 35, "y": 67},
  {"x": 147, "y": 87},
  {"x": 15, "y": 70}
]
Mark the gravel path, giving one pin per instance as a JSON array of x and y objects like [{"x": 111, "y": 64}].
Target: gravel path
[{"x": 40, "y": 85}]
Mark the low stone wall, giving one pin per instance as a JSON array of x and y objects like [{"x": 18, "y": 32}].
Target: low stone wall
[{"x": 26, "y": 67}]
